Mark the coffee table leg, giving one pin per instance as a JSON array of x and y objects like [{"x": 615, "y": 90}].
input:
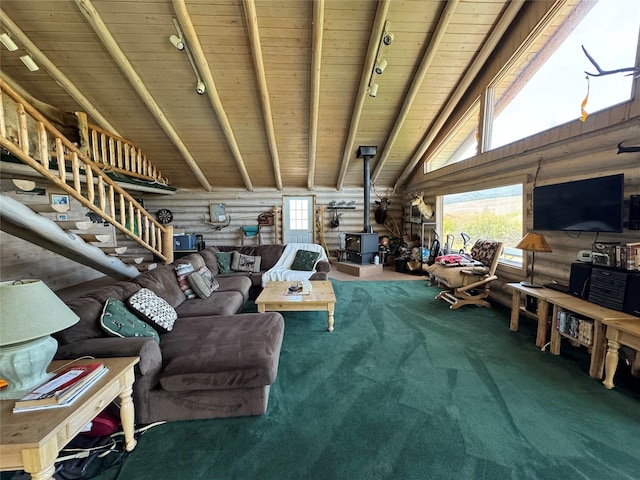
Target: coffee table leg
[
  {"x": 330, "y": 311},
  {"x": 46, "y": 474},
  {"x": 127, "y": 418},
  {"x": 611, "y": 364}
]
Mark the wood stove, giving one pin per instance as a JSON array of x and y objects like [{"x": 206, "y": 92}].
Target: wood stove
[{"x": 361, "y": 247}]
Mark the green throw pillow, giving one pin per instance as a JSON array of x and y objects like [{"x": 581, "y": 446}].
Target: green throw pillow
[
  {"x": 224, "y": 262},
  {"x": 305, "y": 260},
  {"x": 117, "y": 320}
]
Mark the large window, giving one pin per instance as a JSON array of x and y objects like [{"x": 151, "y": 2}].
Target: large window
[{"x": 494, "y": 213}]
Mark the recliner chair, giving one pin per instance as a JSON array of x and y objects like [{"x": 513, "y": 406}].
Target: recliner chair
[{"x": 468, "y": 284}]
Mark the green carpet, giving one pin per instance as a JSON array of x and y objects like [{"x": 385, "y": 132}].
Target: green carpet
[{"x": 405, "y": 388}]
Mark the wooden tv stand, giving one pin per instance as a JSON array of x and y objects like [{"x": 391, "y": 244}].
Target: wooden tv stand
[{"x": 601, "y": 317}]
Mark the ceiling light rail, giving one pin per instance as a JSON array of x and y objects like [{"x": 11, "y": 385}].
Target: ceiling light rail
[
  {"x": 380, "y": 63},
  {"x": 180, "y": 44}
]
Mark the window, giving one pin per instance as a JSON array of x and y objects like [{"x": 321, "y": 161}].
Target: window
[
  {"x": 546, "y": 84},
  {"x": 494, "y": 213},
  {"x": 299, "y": 215}
]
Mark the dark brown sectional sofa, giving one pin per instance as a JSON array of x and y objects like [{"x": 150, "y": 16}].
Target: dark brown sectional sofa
[{"x": 215, "y": 362}]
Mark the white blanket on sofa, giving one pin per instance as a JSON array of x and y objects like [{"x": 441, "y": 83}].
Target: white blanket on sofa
[{"x": 281, "y": 271}]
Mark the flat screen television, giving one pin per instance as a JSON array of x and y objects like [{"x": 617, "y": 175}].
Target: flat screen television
[{"x": 591, "y": 205}]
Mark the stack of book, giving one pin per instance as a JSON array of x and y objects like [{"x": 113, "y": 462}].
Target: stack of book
[{"x": 62, "y": 389}]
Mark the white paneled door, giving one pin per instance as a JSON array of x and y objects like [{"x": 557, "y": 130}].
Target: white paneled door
[{"x": 297, "y": 219}]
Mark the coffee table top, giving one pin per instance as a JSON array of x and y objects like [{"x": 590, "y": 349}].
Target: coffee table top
[{"x": 276, "y": 292}]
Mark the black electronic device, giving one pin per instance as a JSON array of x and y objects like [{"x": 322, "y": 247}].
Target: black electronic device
[
  {"x": 632, "y": 297},
  {"x": 580, "y": 280},
  {"x": 591, "y": 205},
  {"x": 634, "y": 212}
]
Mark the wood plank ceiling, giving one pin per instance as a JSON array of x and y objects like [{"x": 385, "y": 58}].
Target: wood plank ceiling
[{"x": 286, "y": 102}]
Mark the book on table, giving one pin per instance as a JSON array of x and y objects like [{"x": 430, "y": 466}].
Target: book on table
[{"x": 63, "y": 387}]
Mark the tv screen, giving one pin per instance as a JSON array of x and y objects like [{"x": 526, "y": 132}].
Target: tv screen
[{"x": 591, "y": 205}]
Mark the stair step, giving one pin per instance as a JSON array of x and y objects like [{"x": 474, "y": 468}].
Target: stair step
[
  {"x": 75, "y": 224},
  {"x": 146, "y": 266},
  {"x": 46, "y": 208},
  {"x": 94, "y": 237},
  {"x": 113, "y": 250},
  {"x": 130, "y": 260}
]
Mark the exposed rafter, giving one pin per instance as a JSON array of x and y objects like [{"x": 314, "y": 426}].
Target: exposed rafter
[
  {"x": 56, "y": 74},
  {"x": 93, "y": 17},
  {"x": 314, "y": 108},
  {"x": 416, "y": 83},
  {"x": 372, "y": 50},
  {"x": 205, "y": 72},
  {"x": 256, "y": 52}
]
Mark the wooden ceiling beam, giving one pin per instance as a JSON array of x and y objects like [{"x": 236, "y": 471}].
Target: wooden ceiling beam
[
  {"x": 479, "y": 61},
  {"x": 202, "y": 65},
  {"x": 314, "y": 103},
  {"x": 94, "y": 19},
  {"x": 372, "y": 50},
  {"x": 416, "y": 83},
  {"x": 258, "y": 62},
  {"x": 60, "y": 78}
]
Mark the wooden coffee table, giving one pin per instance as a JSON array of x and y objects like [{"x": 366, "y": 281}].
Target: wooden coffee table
[{"x": 274, "y": 298}]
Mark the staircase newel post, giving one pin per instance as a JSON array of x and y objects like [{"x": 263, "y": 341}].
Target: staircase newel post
[
  {"x": 83, "y": 130},
  {"x": 167, "y": 243}
]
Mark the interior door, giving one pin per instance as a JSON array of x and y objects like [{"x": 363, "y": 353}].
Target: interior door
[{"x": 297, "y": 219}]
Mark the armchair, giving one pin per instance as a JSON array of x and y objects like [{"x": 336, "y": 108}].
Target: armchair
[{"x": 468, "y": 284}]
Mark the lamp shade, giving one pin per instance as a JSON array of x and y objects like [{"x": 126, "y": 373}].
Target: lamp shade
[
  {"x": 30, "y": 310},
  {"x": 534, "y": 242}
]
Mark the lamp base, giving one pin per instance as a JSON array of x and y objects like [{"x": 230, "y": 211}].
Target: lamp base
[
  {"x": 24, "y": 365},
  {"x": 531, "y": 285}
]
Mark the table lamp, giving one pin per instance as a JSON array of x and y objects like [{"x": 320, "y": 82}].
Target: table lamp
[
  {"x": 533, "y": 242},
  {"x": 29, "y": 313}
]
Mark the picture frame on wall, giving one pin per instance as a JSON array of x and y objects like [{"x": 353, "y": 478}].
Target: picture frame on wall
[
  {"x": 61, "y": 217},
  {"x": 57, "y": 199},
  {"x": 217, "y": 212}
]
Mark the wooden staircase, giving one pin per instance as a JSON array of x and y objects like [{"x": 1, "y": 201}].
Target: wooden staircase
[{"x": 30, "y": 137}]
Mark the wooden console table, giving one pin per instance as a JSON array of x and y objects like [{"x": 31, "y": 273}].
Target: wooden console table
[
  {"x": 621, "y": 332},
  {"x": 32, "y": 440}
]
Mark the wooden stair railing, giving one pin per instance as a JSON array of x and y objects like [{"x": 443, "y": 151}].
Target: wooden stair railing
[
  {"x": 116, "y": 154},
  {"x": 100, "y": 194}
]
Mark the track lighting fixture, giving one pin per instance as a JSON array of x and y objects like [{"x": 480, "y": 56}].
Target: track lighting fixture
[
  {"x": 380, "y": 66},
  {"x": 373, "y": 90},
  {"x": 6, "y": 40},
  {"x": 177, "y": 42}
]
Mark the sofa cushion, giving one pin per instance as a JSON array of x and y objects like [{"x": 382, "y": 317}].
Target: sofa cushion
[
  {"x": 203, "y": 282},
  {"x": 210, "y": 353},
  {"x": 235, "y": 283},
  {"x": 218, "y": 303},
  {"x": 269, "y": 254},
  {"x": 305, "y": 260},
  {"x": 183, "y": 270},
  {"x": 245, "y": 263},
  {"x": 163, "y": 282},
  {"x": 153, "y": 309},
  {"x": 118, "y": 321},
  {"x": 224, "y": 262},
  {"x": 208, "y": 255}
]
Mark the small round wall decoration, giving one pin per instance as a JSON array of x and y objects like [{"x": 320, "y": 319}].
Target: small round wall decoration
[{"x": 164, "y": 216}]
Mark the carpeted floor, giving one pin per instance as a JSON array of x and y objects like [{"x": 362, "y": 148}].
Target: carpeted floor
[{"x": 405, "y": 388}]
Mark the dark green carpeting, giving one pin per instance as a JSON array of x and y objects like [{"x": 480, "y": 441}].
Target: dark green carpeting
[{"x": 405, "y": 388}]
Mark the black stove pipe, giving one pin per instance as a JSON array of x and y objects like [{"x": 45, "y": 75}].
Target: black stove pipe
[{"x": 366, "y": 153}]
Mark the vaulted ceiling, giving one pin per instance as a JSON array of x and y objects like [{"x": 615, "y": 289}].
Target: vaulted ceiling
[{"x": 287, "y": 81}]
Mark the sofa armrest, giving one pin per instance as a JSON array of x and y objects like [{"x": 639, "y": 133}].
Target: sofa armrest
[
  {"x": 144, "y": 347},
  {"x": 323, "y": 266}
]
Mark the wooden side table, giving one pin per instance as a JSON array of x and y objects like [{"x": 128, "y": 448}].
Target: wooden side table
[
  {"x": 32, "y": 440},
  {"x": 621, "y": 332}
]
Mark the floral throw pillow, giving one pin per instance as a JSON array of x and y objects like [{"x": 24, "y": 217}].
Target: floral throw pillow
[
  {"x": 305, "y": 260},
  {"x": 245, "y": 263},
  {"x": 203, "y": 282},
  {"x": 153, "y": 309},
  {"x": 117, "y": 320}
]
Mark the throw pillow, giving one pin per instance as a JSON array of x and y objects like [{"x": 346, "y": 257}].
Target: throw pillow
[
  {"x": 203, "y": 282},
  {"x": 224, "y": 262},
  {"x": 182, "y": 272},
  {"x": 305, "y": 260},
  {"x": 153, "y": 309},
  {"x": 245, "y": 263},
  {"x": 117, "y": 320}
]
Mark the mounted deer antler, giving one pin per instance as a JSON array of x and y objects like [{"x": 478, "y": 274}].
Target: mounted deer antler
[{"x": 425, "y": 209}]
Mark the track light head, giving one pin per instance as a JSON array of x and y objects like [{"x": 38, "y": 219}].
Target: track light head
[
  {"x": 177, "y": 42},
  {"x": 380, "y": 66},
  {"x": 373, "y": 90},
  {"x": 200, "y": 88},
  {"x": 8, "y": 42},
  {"x": 29, "y": 63},
  {"x": 387, "y": 38}
]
